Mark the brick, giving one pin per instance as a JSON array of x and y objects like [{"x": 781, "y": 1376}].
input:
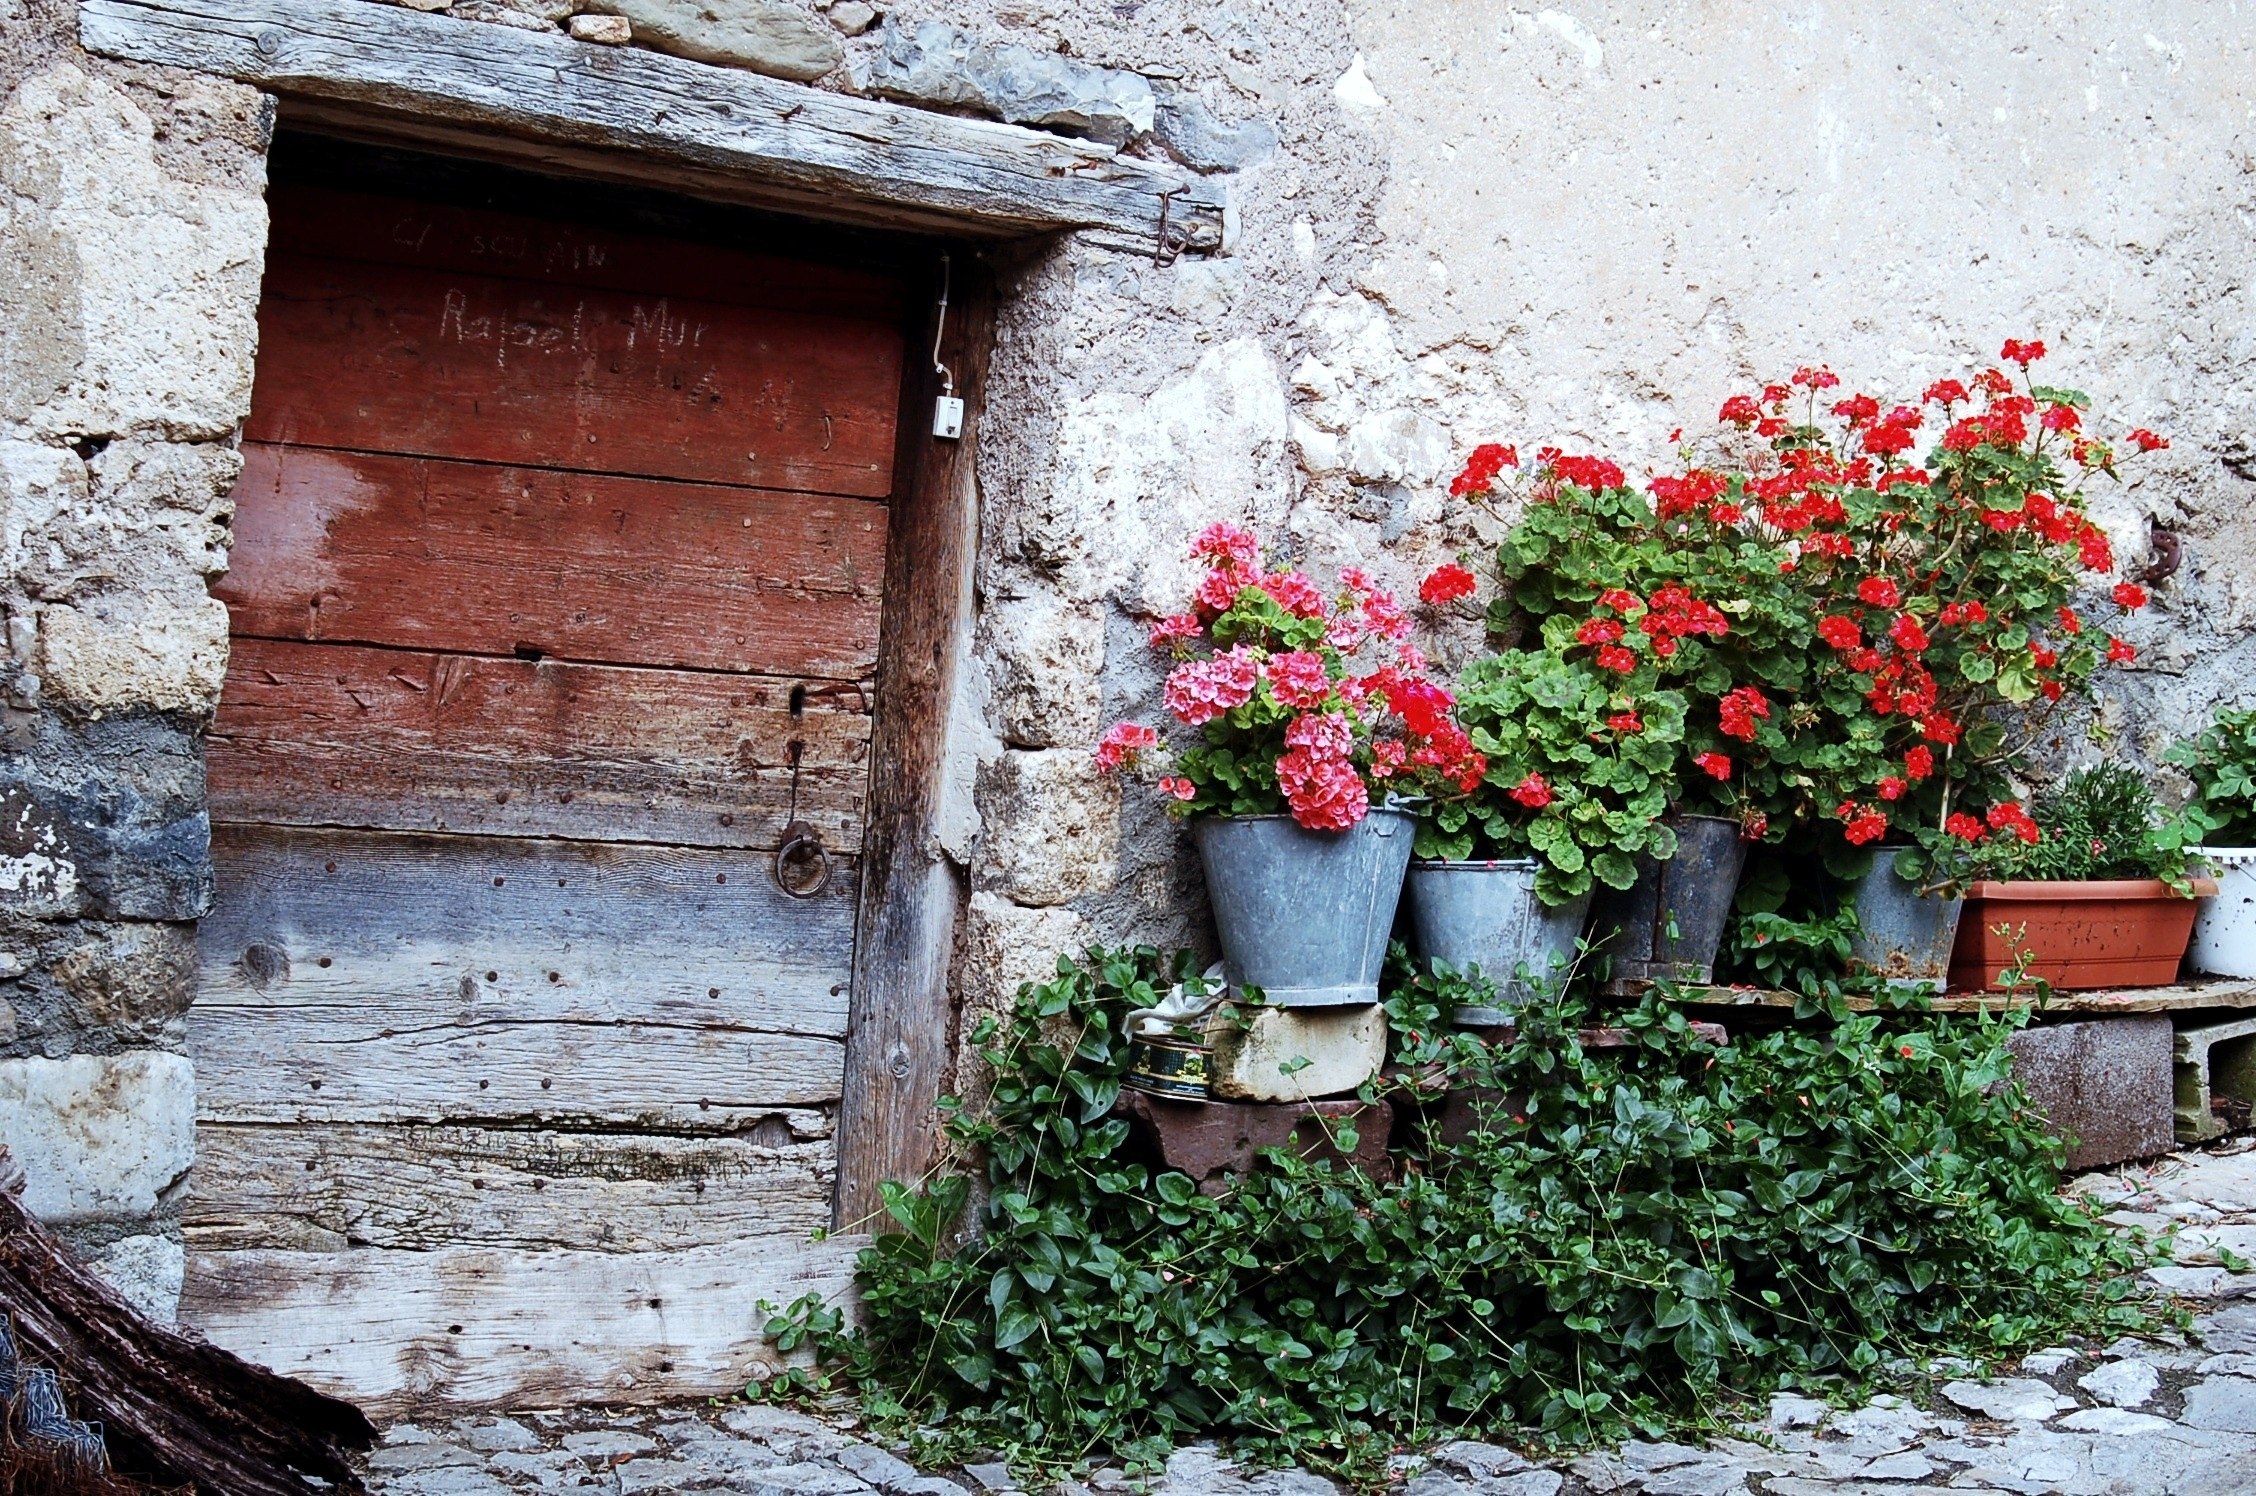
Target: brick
[{"x": 1213, "y": 1140}]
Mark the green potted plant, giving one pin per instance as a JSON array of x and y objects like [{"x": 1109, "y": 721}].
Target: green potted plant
[
  {"x": 2222, "y": 765},
  {"x": 2099, "y": 895},
  {"x": 1938, "y": 600},
  {"x": 1308, "y": 714},
  {"x": 1683, "y": 606},
  {"x": 1579, "y": 764}
]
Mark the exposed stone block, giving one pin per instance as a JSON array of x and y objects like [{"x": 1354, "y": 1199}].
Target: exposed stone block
[
  {"x": 153, "y": 872},
  {"x": 99, "y": 1136},
  {"x": 1045, "y": 662},
  {"x": 163, "y": 651},
  {"x": 132, "y": 294},
  {"x": 131, "y": 979},
  {"x": 2106, "y": 1082},
  {"x": 1292, "y": 1054},
  {"x": 604, "y": 31},
  {"x": 147, "y": 1271},
  {"x": 1199, "y": 140},
  {"x": 39, "y": 874},
  {"x": 764, "y": 36},
  {"x": 934, "y": 63},
  {"x": 1007, "y": 945},
  {"x": 1050, "y": 826}
]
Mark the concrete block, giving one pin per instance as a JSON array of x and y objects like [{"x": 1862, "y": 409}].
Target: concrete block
[
  {"x": 99, "y": 1136},
  {"x": 2105, "y": 1083},
  {"x": 1215, "y": 1141},
  {"x": 2216, "y": 1071},
  {"x": 1292, "y": 1054}
]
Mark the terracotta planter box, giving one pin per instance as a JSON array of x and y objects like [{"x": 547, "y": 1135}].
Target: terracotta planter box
[{"x": 2127, "y": 933}]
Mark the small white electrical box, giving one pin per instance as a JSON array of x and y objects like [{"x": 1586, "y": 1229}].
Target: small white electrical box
[{"x": 947, "y": 417}]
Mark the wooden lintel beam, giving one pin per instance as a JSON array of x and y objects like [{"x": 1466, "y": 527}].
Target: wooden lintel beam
[{"x": 808, "y": 147}]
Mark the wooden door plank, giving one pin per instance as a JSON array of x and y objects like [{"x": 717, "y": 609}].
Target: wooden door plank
[
  {"x": 389, "y": 358},
  {"x": 487, "y": 929},
  {"x": 335, "y": 1065},
  {"x": 347, "y": 735},
  {"x": 474, "y": 1326},
  {"x": 463, "y": 557},
  {"x": 330, "y": 223},
  {"x": 323, "y": 1188}
]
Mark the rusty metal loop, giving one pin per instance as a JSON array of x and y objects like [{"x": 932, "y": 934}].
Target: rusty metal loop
[{"x": 802, "y": 863}]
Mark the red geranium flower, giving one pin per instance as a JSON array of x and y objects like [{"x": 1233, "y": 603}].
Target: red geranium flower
[
  {"x": 2024, "y": 354},
  {"x": 1919, "y": 761},
  {"x": 1598, "y": 631},
  {"x": 2130, "y": 595},
  {"x": 1715, "y": 765},
  {"x": 1739, "y": 709},
  {"x": 2120, "y": 652},
  {"x": 1892, "y": 788},
  {"x": 1481, "y": 468},
  {"x": 2147, "y": 441},
  {"x": 1532, "y": 792},
  {"x": 1907, "y": 634},
  {"x": 1626, "y": 722},
  {"x": 1614, "y": 657},
  {"x": 2069, "y": 622},
  {"x": 1881, "y": 592},
  {"x": 1841, "y": 633},
  {"x": 1965, "y": 827},
  {"x": 1446, "y": 583}
]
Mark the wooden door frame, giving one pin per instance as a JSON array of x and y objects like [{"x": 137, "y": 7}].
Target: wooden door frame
[{"x": 913, "y": 893}]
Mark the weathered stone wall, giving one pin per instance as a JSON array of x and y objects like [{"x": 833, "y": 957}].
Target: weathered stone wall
[{"x": 132, "y": 230}]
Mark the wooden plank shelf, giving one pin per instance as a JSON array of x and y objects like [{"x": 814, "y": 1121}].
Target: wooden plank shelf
[{"x": 2182, "y": 998}]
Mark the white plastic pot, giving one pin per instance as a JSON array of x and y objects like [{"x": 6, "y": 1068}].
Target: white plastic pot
[{"x": 2224, "y": 932}]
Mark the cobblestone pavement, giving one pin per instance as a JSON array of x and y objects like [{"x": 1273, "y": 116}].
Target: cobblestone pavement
[{"x": 2137, "y": 1418}]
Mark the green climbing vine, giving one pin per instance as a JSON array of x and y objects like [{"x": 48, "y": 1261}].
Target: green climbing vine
[{"x": 1631, "y": 1239}]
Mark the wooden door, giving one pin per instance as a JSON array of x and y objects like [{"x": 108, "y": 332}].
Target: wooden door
[{"x": 555, "y": 596}]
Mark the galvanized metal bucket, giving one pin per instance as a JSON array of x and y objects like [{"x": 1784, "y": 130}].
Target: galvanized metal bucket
[
  {"x": 1486, "y": 915},
  {"x": 1668, "y": 926},
  {"x": 1903, "y": 935},
  {"x": 1303, "y": 915}
]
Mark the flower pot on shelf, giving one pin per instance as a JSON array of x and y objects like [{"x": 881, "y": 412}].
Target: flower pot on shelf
[
  {"x": 1904, "y": 934},
  {"x": 2224, "y": 928},
  {"x": 2128, "y": 932},
  {"x": 1487, "y": 915},
  {"x": 1668, "y": 926},
  {"x": 1303, "y": 915}
]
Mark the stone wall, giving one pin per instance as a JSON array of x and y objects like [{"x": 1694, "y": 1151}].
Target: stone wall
[
  {"x": 1451, "y": 222},
  {"x": 132, "y": 230}
]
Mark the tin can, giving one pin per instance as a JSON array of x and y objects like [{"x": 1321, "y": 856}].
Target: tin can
[{"x": 1166, "y": 1067}]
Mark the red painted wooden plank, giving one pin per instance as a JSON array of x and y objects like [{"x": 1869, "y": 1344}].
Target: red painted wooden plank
[
  {"x": 347, "y": 735},
  {"x": 325, "y": 221},
  {"x": 463, "y": 557},
  {"x": 392, "y": 358}
]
